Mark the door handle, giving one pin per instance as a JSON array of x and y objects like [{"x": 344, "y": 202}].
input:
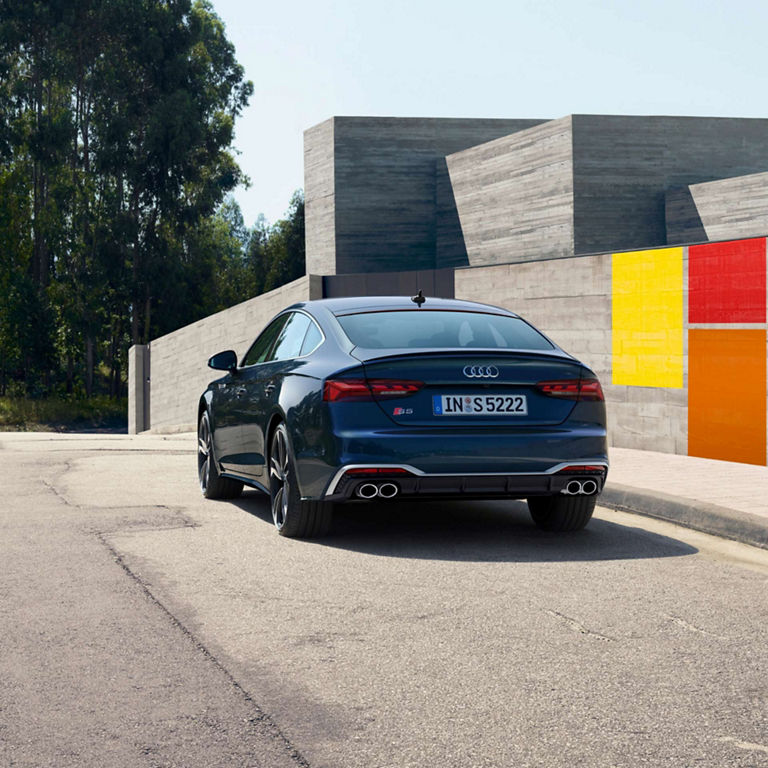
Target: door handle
[
  {"x": 268, "y": 388},
  {"x": 239, "y": 392}
]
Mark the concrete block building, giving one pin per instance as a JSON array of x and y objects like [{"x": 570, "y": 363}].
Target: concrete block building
[{"x": 387, "y": 194}]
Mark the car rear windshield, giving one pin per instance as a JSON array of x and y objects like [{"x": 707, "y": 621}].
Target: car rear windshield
[{"x": 440, "y": 329}]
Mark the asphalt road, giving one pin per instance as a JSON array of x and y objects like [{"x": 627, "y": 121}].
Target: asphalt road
[{"x": 141, "y": 625}]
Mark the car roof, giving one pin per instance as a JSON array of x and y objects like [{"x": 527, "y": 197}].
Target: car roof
[{"x": 353, "y": 304}]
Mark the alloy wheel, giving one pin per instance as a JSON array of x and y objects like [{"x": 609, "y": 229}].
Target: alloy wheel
[
  {"x": 204, "y": 453},
  {"x": 279, "y": 467}
]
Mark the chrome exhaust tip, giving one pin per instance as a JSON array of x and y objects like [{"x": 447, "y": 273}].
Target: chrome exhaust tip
[
  {"x": 589, "y": 487},
  {"x": 388, "y": 490},
  {"x": 574, "y": 488},
  {"x": 367, "y": 491}
]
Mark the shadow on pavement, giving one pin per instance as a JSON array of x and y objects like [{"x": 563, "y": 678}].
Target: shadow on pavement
[{"x": 481, "y": 531}]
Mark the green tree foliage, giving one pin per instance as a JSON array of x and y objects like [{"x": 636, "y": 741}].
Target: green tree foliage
[
  {"x": 116, "y": 122},
  {"x": 284, "y": 250}
]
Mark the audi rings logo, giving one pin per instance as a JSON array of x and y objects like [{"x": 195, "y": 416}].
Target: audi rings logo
[{"x": 481, "y": 371}]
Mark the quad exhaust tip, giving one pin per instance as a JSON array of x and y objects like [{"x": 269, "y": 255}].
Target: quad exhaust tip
[
  {"x": 367, "y": 491},
  {"x": 388, "y": 490},
  {"x": 371, "y": 490},
  {"x": 580, "y": 488}
]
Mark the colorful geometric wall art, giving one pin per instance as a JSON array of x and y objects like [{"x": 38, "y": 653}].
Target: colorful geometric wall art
[
  {"x": 647, "y": 324},
  {"x": 726, "y": 282},
  {"x": 727, "y": 394}
]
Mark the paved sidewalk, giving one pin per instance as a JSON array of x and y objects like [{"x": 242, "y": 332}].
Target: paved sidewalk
[{"x": 719, "y": 497}]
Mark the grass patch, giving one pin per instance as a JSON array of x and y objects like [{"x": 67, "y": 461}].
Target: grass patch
[{"x": 62, "y": 415}]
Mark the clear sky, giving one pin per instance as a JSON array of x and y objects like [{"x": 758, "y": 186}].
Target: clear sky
[{"x": 481, "y": 58}]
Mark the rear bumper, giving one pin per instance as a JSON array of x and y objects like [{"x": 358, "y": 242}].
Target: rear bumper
[{"x": 415, "y": 483}]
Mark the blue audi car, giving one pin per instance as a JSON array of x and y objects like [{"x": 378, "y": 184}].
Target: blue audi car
[{"x": 376, "y": 399}]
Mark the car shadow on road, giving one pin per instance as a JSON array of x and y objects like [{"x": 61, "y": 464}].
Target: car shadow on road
[{"x": 480, "y": 531}]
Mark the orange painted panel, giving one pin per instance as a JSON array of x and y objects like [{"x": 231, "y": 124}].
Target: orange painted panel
[{"x": 727, "y": 394}]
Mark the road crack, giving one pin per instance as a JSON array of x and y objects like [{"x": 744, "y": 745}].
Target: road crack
[
  {"x": 262, "y": 718},
  {"x": 580, "y": 628},
  {"x": 690, "y": 627},
  {"x": 746, "y": 745}
]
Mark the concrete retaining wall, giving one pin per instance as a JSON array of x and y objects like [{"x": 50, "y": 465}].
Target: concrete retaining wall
[
  {"x": 571, "y": 301},
  {"x": 179, "y": 371},
  {"x": 677, "y": 335}
]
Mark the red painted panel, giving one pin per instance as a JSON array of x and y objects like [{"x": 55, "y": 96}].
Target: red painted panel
[{"x": 726, "y": 282}]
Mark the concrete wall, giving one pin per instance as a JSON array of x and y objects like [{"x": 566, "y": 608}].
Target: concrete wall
[
  {"x": 179, "y": 370},
  {"x": 138, "y": 388},
  {"x": 718, "y": 210},
  {"x": 678, "y": 337},
  {"x": 514, "y": 195},
  {"x": 391, "y": 194},
  {"x": 623, "y": 167},
  {"x": 383, "y": 213},
  {"x": 319, "y": 199},
  {"x": 434, "y": 282},
  {"x": 571, "y": 301}
]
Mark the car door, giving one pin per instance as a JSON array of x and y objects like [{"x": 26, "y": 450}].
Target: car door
[
  {"x": 238, "y": 459},
  {"x": 226, "y": 420},
  {"x": 263, "y": 388}
]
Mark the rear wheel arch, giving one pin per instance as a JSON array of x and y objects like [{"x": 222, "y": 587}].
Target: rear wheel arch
[
  {"x": 276, "y": 418},
  {"x": 212, "y": 484},
  {"x": 202, "y": 407},
  {"x": 292, "y": 516}
]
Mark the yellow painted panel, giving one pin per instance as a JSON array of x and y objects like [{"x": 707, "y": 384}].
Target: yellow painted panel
[{"x": 648, "y": 318}]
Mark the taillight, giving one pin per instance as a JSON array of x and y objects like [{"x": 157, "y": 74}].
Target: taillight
[
  {"x": 361, "y": 389},
  {"x": 572, "y": 389},
  {"x": 582, "y": 468},
  {"x": 346, "y": 389}
]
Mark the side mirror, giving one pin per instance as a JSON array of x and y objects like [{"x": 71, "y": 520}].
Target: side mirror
[{"x": 223, "y": 361}]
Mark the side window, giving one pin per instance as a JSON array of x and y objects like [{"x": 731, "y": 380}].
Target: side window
[
  {"x": 260, "y": 348},
  {"x": 311, "y": 340},
  {"x": 288, "y": 344}
]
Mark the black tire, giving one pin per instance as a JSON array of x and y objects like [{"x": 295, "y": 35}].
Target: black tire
[
  {"x": 561, "y": 513},
  {"x": 212, "y": 484},
  {"x": 292, "y": 516}
]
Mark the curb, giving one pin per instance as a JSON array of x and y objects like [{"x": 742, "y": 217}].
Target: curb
[{"x": 699, "y": 515}]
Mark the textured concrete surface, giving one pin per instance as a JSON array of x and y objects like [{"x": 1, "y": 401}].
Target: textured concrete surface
[
  {"x": 718, "y": 210},
  {"x": 371, "y": 186},
  {"x": 570, "y": 300},
  {"x": 393, "y": 194},
  {"x": 624, "y": 165},
  {"x": 514, "y": 195},
  {"x": 139, "y": 388},
  {"x": 145, "y": 626},
  {"x": 434, "y": 282}
]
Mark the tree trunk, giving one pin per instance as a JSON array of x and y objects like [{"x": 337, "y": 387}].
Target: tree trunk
[
  {"x": 89, "y": 365},
  {"x": 70, "y": 374}
]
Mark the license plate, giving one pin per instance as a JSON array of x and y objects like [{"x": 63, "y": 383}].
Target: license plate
[{"x": 462, "y": 405}]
